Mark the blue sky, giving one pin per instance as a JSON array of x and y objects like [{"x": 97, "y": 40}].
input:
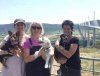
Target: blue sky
[{"x": 48, "y": 11}]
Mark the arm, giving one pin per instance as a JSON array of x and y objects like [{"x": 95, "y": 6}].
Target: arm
[
  {"x": 66, "y": 53},
  {"x": 61, "y": 61},
  {"x": 69, "y": 53},
  {"x": 72, "y": 49},
  {"x": 29, "y": 58}
]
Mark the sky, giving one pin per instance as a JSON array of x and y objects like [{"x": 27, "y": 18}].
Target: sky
[{"x": 49, "y": 11}]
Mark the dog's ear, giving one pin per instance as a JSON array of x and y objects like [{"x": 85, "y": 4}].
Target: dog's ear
[
  {"x": 61, "y": 35},
  {"x": 10, "y": 33}
]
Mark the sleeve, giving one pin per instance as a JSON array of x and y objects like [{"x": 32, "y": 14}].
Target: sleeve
[
  {"x": 4, "y": 41},
  {"x": 26, "y": 44},
  {"x": 6, "y": 38},
  {"x": 75, "y": 40}
]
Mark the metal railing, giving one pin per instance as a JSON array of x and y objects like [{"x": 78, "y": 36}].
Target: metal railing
[{"x": 93, "y": 66}]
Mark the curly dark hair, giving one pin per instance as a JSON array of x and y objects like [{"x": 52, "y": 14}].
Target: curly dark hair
[{"x": 68, "y": 23}]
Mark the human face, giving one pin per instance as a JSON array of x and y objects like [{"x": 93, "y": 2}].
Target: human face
[
  {"x": 20, "y": 27},
  {"x": 36, "y": 30},
  {"x": 67, "y": 30}
]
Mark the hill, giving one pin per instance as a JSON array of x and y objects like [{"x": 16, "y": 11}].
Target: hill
[{"x": 49, "y": 28}]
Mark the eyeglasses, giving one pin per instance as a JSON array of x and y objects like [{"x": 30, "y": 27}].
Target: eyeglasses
[{"x": 36, "y": 27}]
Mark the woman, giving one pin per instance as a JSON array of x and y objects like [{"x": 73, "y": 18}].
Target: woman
[
  {"x": 34, "y": 51},
  {"x": 15, "y": 64},
  {"x": 70, "y": 66}
]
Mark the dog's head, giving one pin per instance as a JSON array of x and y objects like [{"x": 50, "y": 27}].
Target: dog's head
[
  {"x": 14, "y": 38},
  {"x": 45, "y": 43},
  {"x": 64, "y": 38},
  {"x": 12, "y": 42}
]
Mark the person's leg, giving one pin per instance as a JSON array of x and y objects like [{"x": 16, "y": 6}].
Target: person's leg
[
  {"x": 71, "y": 72},
  {"x": 74, "y": 72}
]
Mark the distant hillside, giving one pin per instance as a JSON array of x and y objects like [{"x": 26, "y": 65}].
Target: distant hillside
[
  {"x": 4, "y": 28},
  {"x": 49, "y": 28}
]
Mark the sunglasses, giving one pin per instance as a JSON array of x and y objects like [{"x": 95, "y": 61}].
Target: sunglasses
[{"x": 36, "y": 27}]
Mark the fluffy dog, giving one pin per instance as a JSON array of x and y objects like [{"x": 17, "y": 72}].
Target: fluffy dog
[
  {"x": 49, "y": 52},
  {"x": 62, "y": 42},
  {"x": 10, "y": 47}
]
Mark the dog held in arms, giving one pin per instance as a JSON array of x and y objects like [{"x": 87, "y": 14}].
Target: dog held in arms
[
  {"x": 10, "y": 48},
  {"x": 49, "y": 52},
  {"x": 62, "y": 42}
]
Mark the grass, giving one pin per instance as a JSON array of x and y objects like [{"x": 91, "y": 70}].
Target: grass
[
  {"x": 87, "y": 64},
  {"x": 90, "y": 52}
]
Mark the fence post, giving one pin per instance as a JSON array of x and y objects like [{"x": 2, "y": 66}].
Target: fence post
[{"x": 93, "y": 67}]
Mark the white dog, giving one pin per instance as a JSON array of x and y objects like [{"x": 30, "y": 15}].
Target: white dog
[{"x": 49, "y": 52}]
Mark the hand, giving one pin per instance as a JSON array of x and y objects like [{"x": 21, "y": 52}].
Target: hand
[
  {"x": 18, "y": 52},
  {"x": 57, "y": 44},
  {"x": 62, "y": 61},
  {"x": 41, "y": 51},
  {"x": 59, "y": 48}
]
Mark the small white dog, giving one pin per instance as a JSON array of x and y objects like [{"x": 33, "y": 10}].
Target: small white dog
[{"x": 49, "y": 52}]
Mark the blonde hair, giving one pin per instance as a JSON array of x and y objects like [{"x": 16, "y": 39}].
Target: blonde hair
[{"x": 36, "y": 24}]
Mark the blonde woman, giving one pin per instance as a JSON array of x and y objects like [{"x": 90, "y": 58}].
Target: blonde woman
[
  {"x": 15, "y": 64},
  {"x": 34, "y": 51}
]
